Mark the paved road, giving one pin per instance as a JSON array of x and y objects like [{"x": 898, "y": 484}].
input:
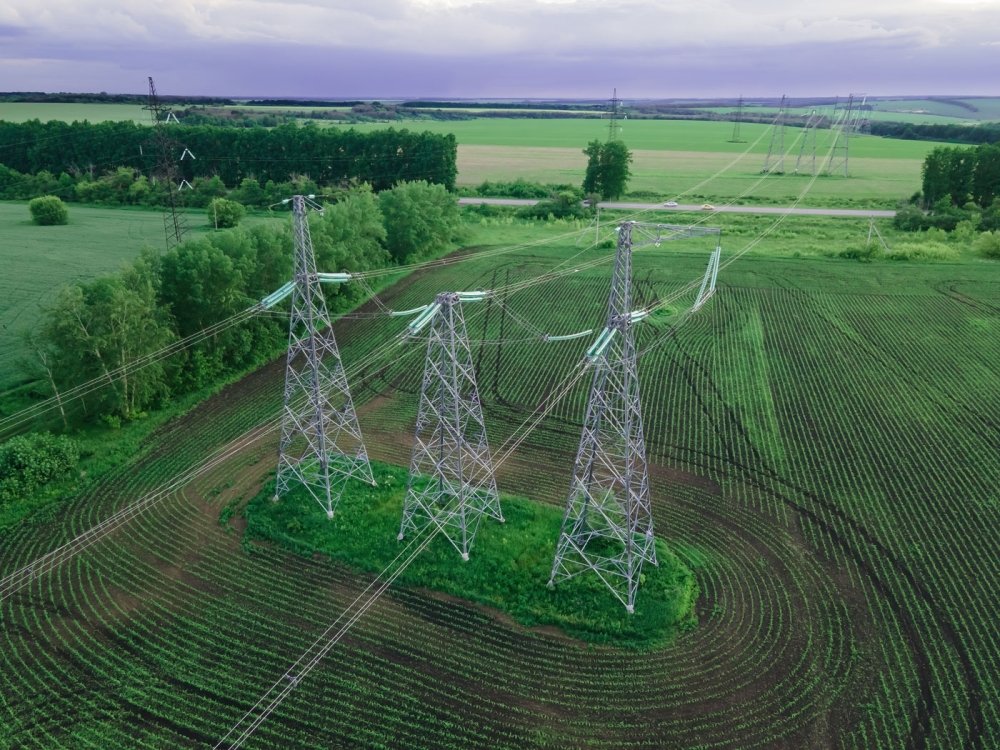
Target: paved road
[{"x": 856, "y": 212}]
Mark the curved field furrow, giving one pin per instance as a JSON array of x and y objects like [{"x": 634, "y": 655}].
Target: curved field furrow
[{"x": 822, "y": 455}]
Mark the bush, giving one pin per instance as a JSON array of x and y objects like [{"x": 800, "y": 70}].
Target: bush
[
  {"x": 519, "y": 188},
  {"x": 562, "y": 205},
  {"x": 29, "y": 461},
  {"x": 224, "y": 214},
  {"x": 988, "y": 245},
  {"x": 910, "y": 219},
  {"x": 48, "y": 210},
  {"x": 922, "y": 251}
]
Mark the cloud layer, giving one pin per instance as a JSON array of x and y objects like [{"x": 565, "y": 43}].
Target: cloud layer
[{"x": 511, "y": 48}]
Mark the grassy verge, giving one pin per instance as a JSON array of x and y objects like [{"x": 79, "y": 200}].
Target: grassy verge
[{"x": 507, "y": 570}]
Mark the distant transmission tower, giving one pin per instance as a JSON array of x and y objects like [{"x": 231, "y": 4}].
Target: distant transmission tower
[
  {"x": 808, "y": 145},
  {"x": 614, "y": 129},
  {"x": 777, "y": 147},
  {"x": 608, "y": 525},
  {"x": 841, "y": 151},
  {"x": 863, "y": 118},
  {"x": 736, "y": 125},
  {"x": 451, "y": 484},
  {"x": 174, "y": 220},
  {"x": 321, "y": 445}
]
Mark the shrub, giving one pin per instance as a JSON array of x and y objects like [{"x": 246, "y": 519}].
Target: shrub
[
  {"x": 988, "y": 245},
  {"x": 922, "y": 251},
  {"x": 48, "y": 210},
  {"x": 29, "y": 461},
  {"x": 519, "y": 188},
  {"x": 562, "y": 205},
  {"x": 224, "y": 214},
  {"x": 910, "y": 219}
]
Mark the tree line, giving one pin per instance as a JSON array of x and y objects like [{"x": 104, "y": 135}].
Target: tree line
[
  {"x": 962, "y": 175},
  {"x": 329, "y": 156},
  {"x": 986, "y": 132},
  {"x": 94, "y": 329}
]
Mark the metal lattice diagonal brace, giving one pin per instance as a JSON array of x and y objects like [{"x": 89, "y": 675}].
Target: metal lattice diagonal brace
[
  {"x": 707, "y": 288},
  {"x": 321, "y": 446},
  {"x": 607, "y": 528},
  {"x": 451, "y": 483}
]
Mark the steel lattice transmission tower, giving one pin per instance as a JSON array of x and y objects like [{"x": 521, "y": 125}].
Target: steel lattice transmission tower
[
  {"x": 808, "y": 144},
  {"x": 841, "y": 151},
  {"x": 614, "y": 129},
  {"x": 451, "y": 484},
  {"x": 777, "y": 147},
  {"x": 321, "y": 445},
  {"x": 608, "y": 525},
  {"x": 174, "y": 220},
  {"x": 736, "y": 123}
]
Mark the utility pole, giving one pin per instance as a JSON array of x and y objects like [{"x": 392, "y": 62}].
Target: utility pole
[
  {"x": 777, "y": 147},
  {"x": 736, "y": 125},
  {"x": 174, "y": 219},
  {"x": 608, "y": 525},
  {"x": 321, "y": 446},
  {"x": 451, "y": 483}
]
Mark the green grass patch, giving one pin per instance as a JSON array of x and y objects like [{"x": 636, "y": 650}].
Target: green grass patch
[
  {"x": 71, "y": 111},
  {"x": 507, "y": 570}
]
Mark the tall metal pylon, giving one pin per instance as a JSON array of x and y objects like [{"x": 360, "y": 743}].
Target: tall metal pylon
[
  {"x": 451, "y": 484},
  {"x": 614, "y": 129},
  {"x": 736, "y": 123},
  {"x": 608, "y": 525},
  {"x": 777, "y": 147},
  {"x": 174, "y": 219},
  {"x": 321, "y": 445},
  {"x": 809, "y": 142},
  {"x": 841, "y": 151}
]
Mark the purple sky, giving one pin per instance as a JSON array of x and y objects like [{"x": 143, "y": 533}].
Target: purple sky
[{"x": 502, "y": 48}]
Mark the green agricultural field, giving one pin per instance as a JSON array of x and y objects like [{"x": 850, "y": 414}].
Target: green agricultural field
[
  {"x": 928, "y": 111},
  {"x": 651, "y": 135},
  {"x": 38, "y": 260},
  {"x": 45, "y": 111},
  {"x": 671, "y": 156},
  {"x": 880, "y": 113},
  {"x": 822, "y": 440}
]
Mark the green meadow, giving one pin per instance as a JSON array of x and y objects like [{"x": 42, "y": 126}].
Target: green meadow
[
  {"x": 45, "y": 111},
  {"x": 37, "y": 261}
]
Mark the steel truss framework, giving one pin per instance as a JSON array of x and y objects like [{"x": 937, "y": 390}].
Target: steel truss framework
[
  {"x": 321, "y": 445},
  {"x": 777, "y": 147},
  {"x": 174, "y": 219},
  {"x": 608, "y": 526},
  {"x": 451, "y": 483},
  {"x": 841, "y": 151},
  {"x": 808, "y": 144}
]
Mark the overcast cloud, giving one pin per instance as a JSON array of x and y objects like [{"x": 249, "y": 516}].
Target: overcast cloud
[{"x": 502, "y": 48}]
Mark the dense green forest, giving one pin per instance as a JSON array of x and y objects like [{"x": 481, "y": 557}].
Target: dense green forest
[{"x": 330, "y": 157}]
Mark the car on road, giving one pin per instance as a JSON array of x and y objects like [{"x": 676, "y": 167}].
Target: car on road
[
  {"x": 671, "y": 204},
  {"x": 707, "y": 207}
]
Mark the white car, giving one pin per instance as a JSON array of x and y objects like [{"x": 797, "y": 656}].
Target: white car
[{"x": 671, "y": 204}]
